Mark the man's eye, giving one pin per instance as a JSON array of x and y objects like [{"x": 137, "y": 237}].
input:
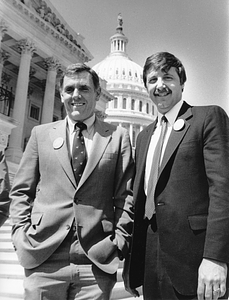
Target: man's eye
[
  {"x": 84, "y": 89},
  {"x": 152, "y": 80},
  {"x": 68, "y": 90},
  {"x": 168, "y": 78}
]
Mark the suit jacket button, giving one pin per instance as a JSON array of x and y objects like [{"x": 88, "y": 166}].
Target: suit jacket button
[{"x": 68, "y": 227}]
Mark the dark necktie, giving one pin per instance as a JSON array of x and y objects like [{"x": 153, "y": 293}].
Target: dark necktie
[
  {"x": 78, "y": 151},
  {"x": 150, "y": 204}
]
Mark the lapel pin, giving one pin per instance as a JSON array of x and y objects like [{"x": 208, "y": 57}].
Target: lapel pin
[
  {"x": 178, "y": 125},
  {"x": 58, "y": 143}
]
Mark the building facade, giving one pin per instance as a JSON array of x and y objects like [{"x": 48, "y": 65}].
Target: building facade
[
  {"x": 131, "y": 107},
  {"x": 36, "y": 44}
]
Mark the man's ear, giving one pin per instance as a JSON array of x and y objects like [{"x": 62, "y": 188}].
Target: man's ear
[
  {"x": 61, "y": 95},
  {"x": 98, "y": 93}
]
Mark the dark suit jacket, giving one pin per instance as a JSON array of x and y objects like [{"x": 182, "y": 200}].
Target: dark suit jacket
[
  {"x": 4, "y": 189},
  {"x": 192, "y": 197},
  {"x": 45, "y": 198}
]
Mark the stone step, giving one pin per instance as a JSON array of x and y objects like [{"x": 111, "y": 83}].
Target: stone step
[
  {"x": 7, "y": 245},
  {"x": 9, "y": 257},
  {"x": 11, "y": 271},
  {"x": 5, "y": 235},
  {"x": 11, "y": 297},
  {"x": 11, "y": 288}
]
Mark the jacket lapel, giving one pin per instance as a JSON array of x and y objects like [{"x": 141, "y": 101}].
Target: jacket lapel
[
  {"x": 142, "y": 153},
  {"x": 176, "y": 136},
  {"x": 101, "y": 138},
  {"x": 59, "y": 142}
]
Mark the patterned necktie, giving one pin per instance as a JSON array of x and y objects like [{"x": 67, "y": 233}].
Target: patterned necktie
[
  {"x": 150, "y": 205},
  {"x": 78, "y": 151}
]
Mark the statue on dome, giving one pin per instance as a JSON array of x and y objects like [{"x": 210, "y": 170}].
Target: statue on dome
[{"x": 120, "y": 21}]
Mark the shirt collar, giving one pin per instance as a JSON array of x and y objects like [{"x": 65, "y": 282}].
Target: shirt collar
[
  {"x": 172, "y": 114},
  {"x": 89, "y": 122}
]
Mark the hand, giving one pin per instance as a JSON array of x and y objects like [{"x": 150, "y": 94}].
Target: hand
[{"x": 211, "y": 280}]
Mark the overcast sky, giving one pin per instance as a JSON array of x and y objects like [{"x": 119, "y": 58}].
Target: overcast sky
[{"x": 196, "y": 31}]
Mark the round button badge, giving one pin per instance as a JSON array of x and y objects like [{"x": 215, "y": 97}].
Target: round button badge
[{"x": 179, "y": 124}]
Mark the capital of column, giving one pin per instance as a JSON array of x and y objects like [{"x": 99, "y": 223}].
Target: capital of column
[
  {"x": 4, "y": 55},
  {"x": 3, "y": 29},
  {"x": 52, "y": 64},
  {"x": 26, "y": 46}
]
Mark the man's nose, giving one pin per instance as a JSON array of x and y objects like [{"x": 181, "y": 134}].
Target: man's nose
[
  {"x": 76, "y": 94},
  {"x": 160, "y": 84}
]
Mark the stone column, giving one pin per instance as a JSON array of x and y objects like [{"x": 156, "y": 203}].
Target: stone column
[
  {"x": 15, "y": 150},
  {"x": 131, "y": 133},
  {"x": 3, "y": 29},
  {"x": 4, "y": 55},
  {"x": 49, "y": 97}
]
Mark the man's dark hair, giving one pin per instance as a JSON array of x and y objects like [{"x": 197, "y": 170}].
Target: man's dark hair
[
  {"x": 164, "y": 61},
  {"x": 73, "y": 69}
]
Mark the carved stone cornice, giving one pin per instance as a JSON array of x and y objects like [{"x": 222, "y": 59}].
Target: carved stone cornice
[{"x": 39, "y": 13}]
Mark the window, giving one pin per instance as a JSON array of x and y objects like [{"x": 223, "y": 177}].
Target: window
[
  {"x": 115, "y": 103},
  {"x": 152, "y": 110},
  {"x": 34, "y": 112},
  {"x": 132, "y": 104},
  {"x": 147, "y": 108},
  {"x": 140, "y": 105},
  {"x": 124, "y": 103}
]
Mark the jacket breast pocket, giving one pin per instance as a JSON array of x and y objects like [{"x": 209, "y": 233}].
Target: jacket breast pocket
[{"x": 198, "y": 222}]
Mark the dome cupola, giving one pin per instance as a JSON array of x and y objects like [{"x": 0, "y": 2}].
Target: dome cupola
[{"x": 131, "y": 108}]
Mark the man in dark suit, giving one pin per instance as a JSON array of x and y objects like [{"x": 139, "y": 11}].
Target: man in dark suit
[
  {"x": 71, "y": 233},
  {"x": 4, "y": 189},
  {"x": 180, "y": 247}
]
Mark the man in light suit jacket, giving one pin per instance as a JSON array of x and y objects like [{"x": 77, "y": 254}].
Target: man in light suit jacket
[
  {"x": 4, "y": 189},
  {"x": 182, "y": 251},
  {"x": 70, "y": 236}
]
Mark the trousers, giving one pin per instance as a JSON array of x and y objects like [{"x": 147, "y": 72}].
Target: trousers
[
  {"x": 157, "y": 284},
  {"x": 67, "y": 277}
]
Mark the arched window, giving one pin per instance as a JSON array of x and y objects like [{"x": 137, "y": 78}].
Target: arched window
[
  {"x": 140, "y": 105},
  {"x": 124, "y": 103},
  {"x": 132, "y": 104}
]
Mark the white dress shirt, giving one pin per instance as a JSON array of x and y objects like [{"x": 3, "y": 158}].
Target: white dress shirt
[
  {"x": 88, "y": 133},
  {"x": 171, "y": 117}
]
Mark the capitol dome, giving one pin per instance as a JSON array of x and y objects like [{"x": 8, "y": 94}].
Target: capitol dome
[{"x": 131, "y": 108}]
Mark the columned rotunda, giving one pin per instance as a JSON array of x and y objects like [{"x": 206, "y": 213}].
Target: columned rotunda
[{"x": 131, "y": 107}]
